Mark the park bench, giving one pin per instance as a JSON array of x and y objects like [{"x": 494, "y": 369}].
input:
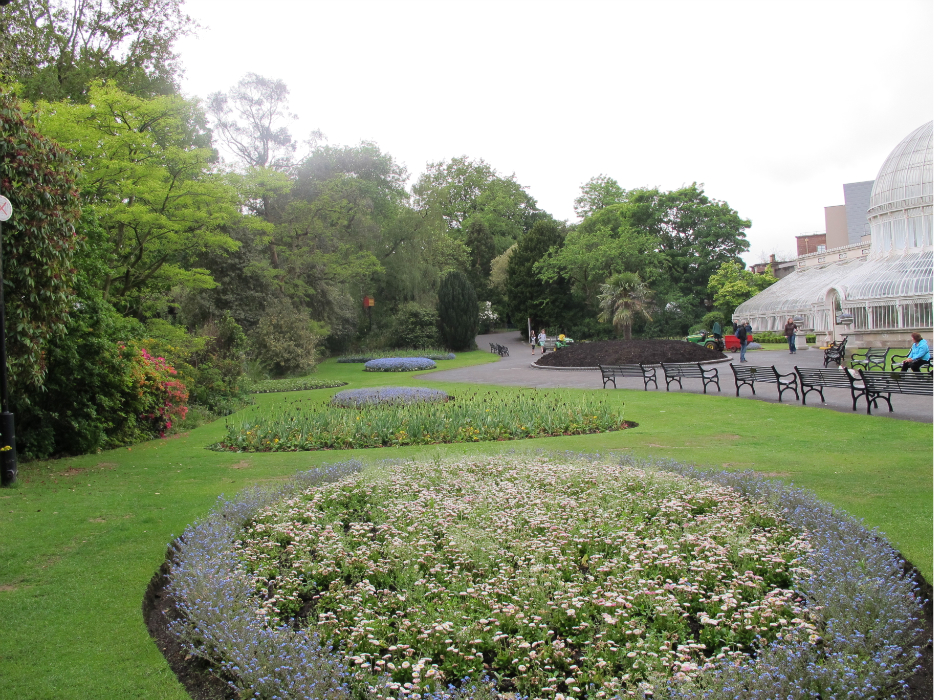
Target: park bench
[
  {"x": 611, "y": 372},
  {"x": 817, "y": 379},
  {"x": 689, "y": 370},
  {"x": 835, "y": 352},
  {"x": 746, "y": 375},
  {"x": 898, "y": 359},
  {"x": 502, "y": 350},
  {"x": 869, "y": 358},
  {"x": 493, "y": 347},
  {"x": 881, "y": 385},
  {"x": 549, "y": 344}
]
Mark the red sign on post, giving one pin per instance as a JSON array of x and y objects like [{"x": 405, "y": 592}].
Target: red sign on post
[{"x": 368, "y": 302}]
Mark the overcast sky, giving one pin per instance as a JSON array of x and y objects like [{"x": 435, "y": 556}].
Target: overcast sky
[{"x": 772, "y": 105}]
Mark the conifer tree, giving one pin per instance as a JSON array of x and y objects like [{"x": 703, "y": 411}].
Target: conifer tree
[{"x": 458, "y": 311}]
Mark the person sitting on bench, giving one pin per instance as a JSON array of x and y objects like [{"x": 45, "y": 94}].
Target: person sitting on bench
[{"x": 920, "y": 353}]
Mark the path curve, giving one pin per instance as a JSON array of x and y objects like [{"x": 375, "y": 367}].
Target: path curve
[{"x": 516, "y": 370}]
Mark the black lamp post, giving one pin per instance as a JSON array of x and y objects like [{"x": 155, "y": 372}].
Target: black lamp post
[{"x": 7, "y": 427}]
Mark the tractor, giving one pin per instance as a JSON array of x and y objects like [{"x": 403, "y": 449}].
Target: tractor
[{"x": 727, "y": 342}]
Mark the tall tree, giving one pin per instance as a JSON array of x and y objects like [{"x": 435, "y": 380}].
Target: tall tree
[
  {"x": 482, "y": 251},
  {"x": 458, "y": 311},
  {"x": 527, "y": 295},
  {"x": 696, "y": 233},
  {"x": 39, "y": 240},
  {"x": 252, "y": 122},
  {"x": 598, "y": 193},
  {"x": 462, "y": 189},
  {"x": 146, "y": 170},
  {"x": 57, "y": 48},
  {"x": 731, "y": 285},
  {"x": 604, "y": 244},
  {"x": 623, "y": 299}
]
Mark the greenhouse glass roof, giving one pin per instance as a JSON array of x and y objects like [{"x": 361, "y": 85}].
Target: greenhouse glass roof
[
  {"x": 905, "y": 179},
  {"x": 883, "y": 279}
]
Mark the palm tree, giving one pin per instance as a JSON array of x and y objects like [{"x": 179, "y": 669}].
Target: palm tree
[{"x": 624, "y": 297}]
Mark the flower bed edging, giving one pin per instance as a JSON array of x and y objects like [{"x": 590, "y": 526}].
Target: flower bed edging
[{"x": 869, "y": 645}]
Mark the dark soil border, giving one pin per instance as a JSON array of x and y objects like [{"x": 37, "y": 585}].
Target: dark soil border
[{"x": 535, "y": 365}]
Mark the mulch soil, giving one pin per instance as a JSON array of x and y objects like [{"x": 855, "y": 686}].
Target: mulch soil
[{"x": 626, "y": 352}]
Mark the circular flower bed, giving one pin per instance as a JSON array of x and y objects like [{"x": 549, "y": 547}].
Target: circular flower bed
[
  {"x": 432, "y": 355},
  {"x": 399, "y": 364},
  {"x": 558, "y": 578},
  {"x": 387, "y": 395}
]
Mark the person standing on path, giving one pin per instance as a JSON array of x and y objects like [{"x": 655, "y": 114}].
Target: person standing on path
[
  {"x": 541, "y": 340},
  {"x": 741, "y": 336},
  {"x": 918, "y": 355},
  {"x": 532, "y": 339},
  {"x": 790, "y": 329}
]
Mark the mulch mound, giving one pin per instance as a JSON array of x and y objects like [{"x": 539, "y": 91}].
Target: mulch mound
[{"x": 626, "y": 352}]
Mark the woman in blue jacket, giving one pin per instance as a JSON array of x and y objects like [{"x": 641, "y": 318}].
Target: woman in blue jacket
[{"x": 920, "y": 353}]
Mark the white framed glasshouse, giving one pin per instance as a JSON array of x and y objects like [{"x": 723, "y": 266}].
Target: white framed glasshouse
[{"x": 877, "y": 295}]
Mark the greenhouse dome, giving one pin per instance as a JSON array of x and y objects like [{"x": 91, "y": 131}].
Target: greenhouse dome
[{"x": 876, "y": 294}]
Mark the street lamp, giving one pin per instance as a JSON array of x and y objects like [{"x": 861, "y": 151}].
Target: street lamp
[{"x": 7, "y": 427}]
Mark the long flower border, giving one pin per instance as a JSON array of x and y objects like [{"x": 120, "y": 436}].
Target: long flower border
[{"x": 869, "y": 645}]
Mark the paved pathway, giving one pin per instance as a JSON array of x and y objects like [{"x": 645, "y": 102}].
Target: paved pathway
[{"x": 515, "y": 370}]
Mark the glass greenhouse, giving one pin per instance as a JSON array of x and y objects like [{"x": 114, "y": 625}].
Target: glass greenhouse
[{"x": 877, "y": 294}]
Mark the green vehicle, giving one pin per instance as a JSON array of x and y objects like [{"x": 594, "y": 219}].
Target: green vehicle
[
  {"x": 707, "y": 340},
  {"x": 727, "y": 342}
]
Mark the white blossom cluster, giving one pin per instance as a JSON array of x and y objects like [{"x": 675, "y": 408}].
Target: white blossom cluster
[{"x": 557, "y": 578}]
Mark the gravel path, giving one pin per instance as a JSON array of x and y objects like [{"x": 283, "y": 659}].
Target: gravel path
[{"x": 516, "y": 370}]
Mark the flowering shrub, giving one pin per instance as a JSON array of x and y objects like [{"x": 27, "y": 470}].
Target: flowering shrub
[
  {"x": 164, "y": 398},
  {"x": 387, "y": 395},
  {"x": 560, "y": 577},
  {"x": 399, "y": 364},
  {"x": 473, "y": 417},
  {"x": 269, "y": 386}
]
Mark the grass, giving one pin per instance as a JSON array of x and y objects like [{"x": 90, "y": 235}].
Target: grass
[{"x": 81, "y": 537}]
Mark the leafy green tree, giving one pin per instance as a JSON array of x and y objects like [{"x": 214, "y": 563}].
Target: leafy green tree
[
  {"x": 146, "y": 167},
  {"x": 731, "y": 285},
  {"x": 598, "y": 193},
  {"x": 39, "y": 241},
  {"x": 458, "y": 311},
  {"x": 415, "y": 326},
  {"x": 604, "y": 244},
  {"x": 462, "y": 189},
  {"x": 623, "y": 299},
  {"x": 697, "y": 234},
  {"x": 527, "y": 295},
  {"x": 286, "y": 340},
  {"x": 56, "y": 49},
  {"x": 482, "y": 251}
]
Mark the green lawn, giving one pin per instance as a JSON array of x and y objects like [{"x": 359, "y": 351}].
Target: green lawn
[{"x": 81, "y": 537}]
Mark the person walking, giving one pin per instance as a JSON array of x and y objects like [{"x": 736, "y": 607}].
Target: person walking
[
  {"x": 790, "y": 329},
  {"x": 741, "y": 336},
  {"x": 541, "y": 339},
  {"x": 918, "y": 355},
  {"x": 532, "y": 340}
]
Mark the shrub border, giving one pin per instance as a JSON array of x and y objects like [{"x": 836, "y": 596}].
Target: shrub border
[{"x": 874, "y": 629}]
